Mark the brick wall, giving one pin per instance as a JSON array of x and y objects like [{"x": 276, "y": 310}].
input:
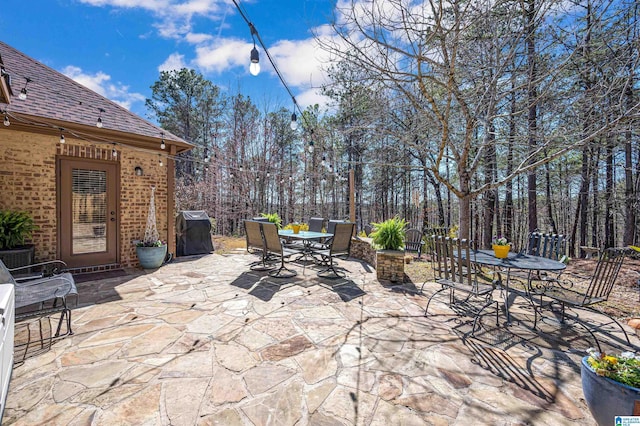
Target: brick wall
[
  {"x": 28, "y": 182},
  {"x": 362, "y": 249},
  {"x": 390, "y": 265}
]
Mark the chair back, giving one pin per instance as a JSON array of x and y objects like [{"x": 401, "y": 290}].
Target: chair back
[
  {"x": 412, "y": 239},
  {"x": 440, "y": 256},
  {"x": 341, "y": 242},
  {"x": 316, "y": 224},
  {"x": 457, "y": 265},
  {"x": 254, "y": 235},
  {"x": 260, "y": 219},
  {"x": 604, "y": 277},
  {"x": 5, "y": 275},
  {"x": 551, "y": 246},
  {"x": 271, "y": 238},
  {"x": 331, "y": 226},
  {"x": 368, "y": 229}
]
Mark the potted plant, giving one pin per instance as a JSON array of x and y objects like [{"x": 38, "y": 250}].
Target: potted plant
[
  {"x": 500, "y": 247},
  {"x": 611, "y": 384},
  {"x": 273, "y": 218},
  {"x": 151, "y": 250},
  {"x": 388, "y": 239},
  {"x": 16, "y": 227}
]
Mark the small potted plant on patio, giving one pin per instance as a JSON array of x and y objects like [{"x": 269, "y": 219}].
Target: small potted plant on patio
[
  {"x": 388, "y": 239},
  {"x": 500, "y": 247},
  {"x": 273, "y": 218},
  {"x": 611, "y": 384},
  {"x": 16, "y": 227},
  {"x": 151, "y": 250}
]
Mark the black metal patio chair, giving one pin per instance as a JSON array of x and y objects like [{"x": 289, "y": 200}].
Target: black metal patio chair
[
  {"x": 584, "y": 293},
  {"x": 340, "y": 247},
  {"x": 455, "y": 273},
  {"x": 256, "y": 245},
  {"x": 274, "y": 246}
]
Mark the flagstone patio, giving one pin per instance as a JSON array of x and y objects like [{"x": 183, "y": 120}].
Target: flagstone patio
[{"x": 205, "y": 341}]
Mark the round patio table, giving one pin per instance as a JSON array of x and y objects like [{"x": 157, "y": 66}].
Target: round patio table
[{"x": 520, "y": 261}]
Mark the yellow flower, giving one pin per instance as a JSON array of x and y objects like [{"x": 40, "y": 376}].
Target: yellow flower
[{"x": 611, "y": 359}]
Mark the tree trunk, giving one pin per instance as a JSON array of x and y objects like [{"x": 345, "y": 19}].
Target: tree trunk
[{"x": 532, "y": 96}]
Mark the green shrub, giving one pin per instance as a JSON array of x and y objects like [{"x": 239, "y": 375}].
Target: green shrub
[
  {"x": 389, "y": 235},
  {"x": 15, "y": 228},
  {"x": 273, "y": 218}
]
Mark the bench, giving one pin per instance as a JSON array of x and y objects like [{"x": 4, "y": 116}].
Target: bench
[{"x": 43, "y": 293}]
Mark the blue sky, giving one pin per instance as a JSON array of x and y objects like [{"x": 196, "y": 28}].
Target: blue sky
[{"x": 118, "y": 47}]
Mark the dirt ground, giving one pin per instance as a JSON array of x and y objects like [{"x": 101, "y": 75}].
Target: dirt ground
[{"x": 624, "y": 301}]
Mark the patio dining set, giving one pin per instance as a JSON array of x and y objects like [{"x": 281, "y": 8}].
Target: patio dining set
[
  {"x": 549, "y": 296},
  {"x": 274, "y": 247}
]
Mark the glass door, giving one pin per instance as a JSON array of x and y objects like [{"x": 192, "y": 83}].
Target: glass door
[{"x": 88, "y": 212}]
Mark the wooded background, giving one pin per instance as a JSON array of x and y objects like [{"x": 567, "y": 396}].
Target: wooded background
[{"x": 497, "y": 117}]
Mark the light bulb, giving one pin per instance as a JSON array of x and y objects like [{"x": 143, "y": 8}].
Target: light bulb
[
  {"x": 6, "y": 120},
  {"x": 254, "y": 68},
  {"x": 311, "y": 149},
  {"x": 62, "y": 139},
  {"x": 99, "y": 123},
  {"x": 23, "y": 94},
  {"x": 160, "y": 162},
  {"x": 114, "y": 153},
  {"x": 294, "y": 121},
  {"x": 162, "y": 144}
]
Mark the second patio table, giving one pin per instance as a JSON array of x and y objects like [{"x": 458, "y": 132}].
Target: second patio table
[{"x": 520, "y": 261}]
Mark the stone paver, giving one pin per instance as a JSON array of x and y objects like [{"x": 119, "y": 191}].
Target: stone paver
[{"x": 206, "y": 341}]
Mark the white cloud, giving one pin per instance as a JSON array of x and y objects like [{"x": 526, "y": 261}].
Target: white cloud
[
  {"x": 174, "y": 17},
  {"x": 311, "y": 97},
  {"x": 175, "y": 61},
  {"x": 224, "y": 54},
  {"x": 100, "y": 83}
]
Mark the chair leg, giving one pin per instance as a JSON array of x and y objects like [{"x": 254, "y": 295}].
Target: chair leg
[
  {"x": 429, "y": 301},
  {"x": 333, "y": 270},
  {"x": 283, "y": 271}
]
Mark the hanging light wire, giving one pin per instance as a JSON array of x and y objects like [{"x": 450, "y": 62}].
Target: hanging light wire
[{"x": 256, "y": 35}]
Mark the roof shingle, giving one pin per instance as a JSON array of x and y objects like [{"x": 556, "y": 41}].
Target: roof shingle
[{"x": 54, "y": 97}]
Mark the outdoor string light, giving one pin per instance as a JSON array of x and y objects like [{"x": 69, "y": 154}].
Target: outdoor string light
[
  {"x": 6, "y": 119},
  {"x": 23, "y": 92},
  {"x": 162, "y": 144},
  {"x": 62, "y": 136}
]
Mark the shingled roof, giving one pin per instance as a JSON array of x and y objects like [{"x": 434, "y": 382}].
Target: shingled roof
[{"x": 55, "y": 101}]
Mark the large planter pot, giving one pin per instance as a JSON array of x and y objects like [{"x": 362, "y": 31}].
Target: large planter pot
[
  {"x": 607, "y": 398},
  {"x": 151, "y": 257},
  {"x": 390, "y": 265},
  {"x": 17, "y": 257}
]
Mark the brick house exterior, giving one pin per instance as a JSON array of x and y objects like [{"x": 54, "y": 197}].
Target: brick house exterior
[{"x": 33, "y": 162}]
